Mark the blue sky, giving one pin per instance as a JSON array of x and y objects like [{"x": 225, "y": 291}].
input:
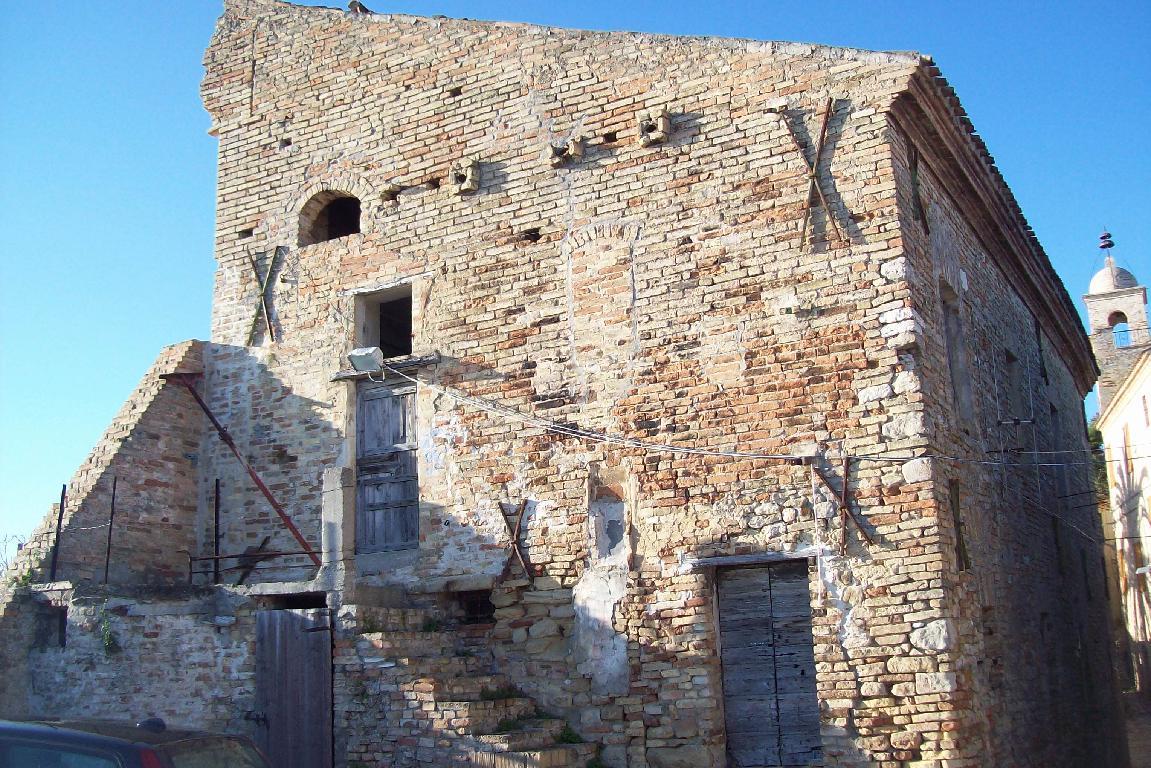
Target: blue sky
[{"x": 107, "y": 181}]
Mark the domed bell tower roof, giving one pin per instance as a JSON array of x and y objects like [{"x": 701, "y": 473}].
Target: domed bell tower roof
[{"x": 1110, "y": 278}]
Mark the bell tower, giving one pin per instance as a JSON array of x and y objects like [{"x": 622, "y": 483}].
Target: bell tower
[{"x": 1117, "y": 313}]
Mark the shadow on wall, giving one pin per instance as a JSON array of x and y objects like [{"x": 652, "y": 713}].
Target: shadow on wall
[
  {"x": 1134, "y": 529},
  {"x": 288, "y": 440},
  {"x": 143, "y": 502},
  {"x": 146, "y": 459},
  {"x": 544, "y": 629}
]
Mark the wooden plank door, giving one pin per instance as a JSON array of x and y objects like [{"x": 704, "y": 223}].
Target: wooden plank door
[
  {"x": 294, "y": 687},
  {"x": 388, "y": 491},
  {"x": 768, "y": 656}
]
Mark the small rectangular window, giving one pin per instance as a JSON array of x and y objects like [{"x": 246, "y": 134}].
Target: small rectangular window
[
  {"x": 916, "y": 191},
  {"x": 395, "y": 318},
  {"x": 1086, "y": 575},
  {"x": 1057, "y": 540},
  {"x": 51, "y": 627},
  {"x": 384, "y": 320},
  {"x": 1062, "y": 480},
  {"x": 1039, "y": 346},
  {"x": 956, "y": 345},
  {"x": 962, "y": 559},
  {"x": 1013, "y": 383}
]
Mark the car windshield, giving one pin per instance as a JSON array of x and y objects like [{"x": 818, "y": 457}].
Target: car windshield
[{"x": 213, "y": 753}]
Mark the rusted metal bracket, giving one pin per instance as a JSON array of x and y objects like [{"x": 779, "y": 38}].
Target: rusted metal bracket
[
  {"x": 263, "y": 306},
  {"x": 813, "y": 187},
  {"x": 517, "y": 553},
  {"x": 187, "y": 380},
  {"x": 844, "y": 503}
]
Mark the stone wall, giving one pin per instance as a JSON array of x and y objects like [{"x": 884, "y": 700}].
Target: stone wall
[
  {"x": 648, "y": 356},
  {"x": 664, "y": 297},
  {"x": 657, "y": 284},
  {"x": 86, "y": 652}
]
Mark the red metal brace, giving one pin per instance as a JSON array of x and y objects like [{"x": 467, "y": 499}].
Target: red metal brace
[{"x": 188, "y": 382}]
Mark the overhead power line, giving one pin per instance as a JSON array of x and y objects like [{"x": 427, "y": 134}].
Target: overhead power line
[{"x": 568, "y": 430}]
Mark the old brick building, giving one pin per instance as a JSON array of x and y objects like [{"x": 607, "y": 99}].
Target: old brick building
[
  {"x": 719, "y": 423},
  {"x": 1117, "y": 315}
]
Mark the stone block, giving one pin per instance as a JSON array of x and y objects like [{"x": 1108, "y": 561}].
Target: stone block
[
  {"x": 934, "y": 682},
  {"x": 938, "y": 635}
]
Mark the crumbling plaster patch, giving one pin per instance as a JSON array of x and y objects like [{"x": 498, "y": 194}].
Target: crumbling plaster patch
[{"x": 599, "y": 648}]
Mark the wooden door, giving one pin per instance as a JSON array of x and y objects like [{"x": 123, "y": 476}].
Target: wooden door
[
  {"x": 294, "y": 687},
  {"x": 388, "y": 492},
  {"x": 768, "y": 655}
]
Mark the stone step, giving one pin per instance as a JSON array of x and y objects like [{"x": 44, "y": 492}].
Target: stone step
[
  {"x": 406, "y": 644},
  {"x": 371, "y": 619},
  {"x": 534, "y": 734},
  {"x": 475, "y": 717},
  {"x": 447, "y": 667},
  {"x": 567, "y": 756},
  {"x": 446, "y": 687}
]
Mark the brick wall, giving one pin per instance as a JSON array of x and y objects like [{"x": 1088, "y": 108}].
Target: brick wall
[
  {"x": 1033, "y": 595},
  {"x": 151, "y": 449},
  {"x": 657, "y": 286}
]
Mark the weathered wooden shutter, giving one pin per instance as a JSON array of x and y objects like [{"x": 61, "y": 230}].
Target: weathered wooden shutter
[
  {"x": 768, "y": 655},
  {"x": 388, "y": 489}
]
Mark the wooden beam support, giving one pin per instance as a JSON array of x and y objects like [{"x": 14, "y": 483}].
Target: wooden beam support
[
  {"x": 263, "y": 306},
  {"x": 188, "y": 382}
]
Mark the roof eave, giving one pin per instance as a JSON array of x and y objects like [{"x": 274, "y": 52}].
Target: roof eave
[{"x": 930, "y": 112}]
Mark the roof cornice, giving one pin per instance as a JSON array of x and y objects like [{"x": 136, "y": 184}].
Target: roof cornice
[{"x": 929, "y": 113}]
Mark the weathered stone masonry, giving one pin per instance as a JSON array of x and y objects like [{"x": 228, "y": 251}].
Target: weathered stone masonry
[{"x": 654, "y": 283}]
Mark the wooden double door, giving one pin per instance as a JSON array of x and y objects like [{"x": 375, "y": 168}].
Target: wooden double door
[{"x": 769, "y": 693}]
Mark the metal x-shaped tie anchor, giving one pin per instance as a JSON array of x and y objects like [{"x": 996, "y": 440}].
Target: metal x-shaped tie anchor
[
  {"x": 264, "y": 281},
  {"x": 813, "y": 171}
]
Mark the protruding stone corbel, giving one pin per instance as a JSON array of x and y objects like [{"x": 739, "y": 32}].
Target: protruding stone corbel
[
  {"x": 571, "y": 151},
  {"x": 464, "y": 175},
  {"x": 654, "y": 127},
  {"x": 390, "y": 192}
]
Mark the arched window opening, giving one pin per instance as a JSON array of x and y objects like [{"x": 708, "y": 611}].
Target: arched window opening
[
  {"x": 1120, "y": 331},
  {"x": 329, "y": 215}
]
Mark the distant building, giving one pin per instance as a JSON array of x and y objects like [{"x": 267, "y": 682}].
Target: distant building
[
  {"x": 1117, "y": 312},
  {"x": 711, "y": 415}
]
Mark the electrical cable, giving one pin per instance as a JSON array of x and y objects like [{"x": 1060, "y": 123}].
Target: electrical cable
[
  {"x": 602, "y": 437},
  {"x": 554, "y": 427}
]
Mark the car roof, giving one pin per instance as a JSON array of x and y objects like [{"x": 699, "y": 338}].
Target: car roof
[{"x": 98, "y": 732}]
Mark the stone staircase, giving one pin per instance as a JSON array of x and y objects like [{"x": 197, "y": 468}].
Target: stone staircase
[{"x": 420, "y": 691}]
